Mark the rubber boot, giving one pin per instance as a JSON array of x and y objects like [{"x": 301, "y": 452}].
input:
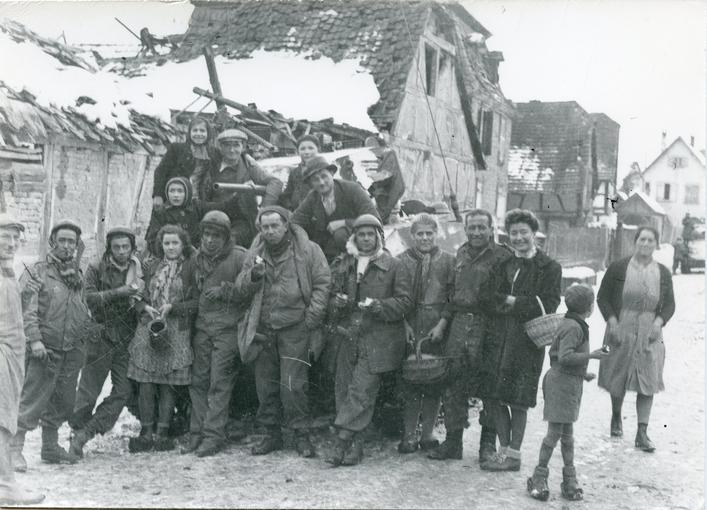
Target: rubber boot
[
  {"x": 78, "y": 440},
  {"x": 570, "y": 486},
  {"x": 52, "y": 453},
  {"x": 643, "y": 442},
  {"x": 487, "y": 444},
  {"x": 10, "y": 493},
  {"x": 451, "y": 448},
  {"x": 537, "y": 484},
  {"x": 17, "y": 444}
]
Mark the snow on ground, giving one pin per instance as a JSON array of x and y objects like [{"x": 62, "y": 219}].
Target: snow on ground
[{"x": 283, "y": 81}]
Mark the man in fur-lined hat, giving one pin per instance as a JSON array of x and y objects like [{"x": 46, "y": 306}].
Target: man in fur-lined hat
[
  {"x": 371, "y": 293},
  {"x": 113, "y": 285},
  {"x": 287, "y": 278}
]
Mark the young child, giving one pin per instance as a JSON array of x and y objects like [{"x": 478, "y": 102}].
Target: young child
[
  {"x": 562, "y": 390},
  {"x": 181, "y": 210}
]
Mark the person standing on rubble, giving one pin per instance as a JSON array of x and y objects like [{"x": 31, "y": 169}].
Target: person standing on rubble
[
  {"x": 287, "y": 279},
  {"x": 113, "y": 287},
  {"x": 191, "y": 160},
  {"x": 56, "y": 319},
  {"x": 297, "y": 189},
  {"x": 12, "y": 363},
  {"x": 370, "y": 296},
  {"x": 331, "y": 207},
  {"x": 233, "y": 166}
]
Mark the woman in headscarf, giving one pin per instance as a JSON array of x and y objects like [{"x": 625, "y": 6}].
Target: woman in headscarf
[
  {"x": 636, "y": 300},
  {"x": 297, "y": 188},
  {"x": 190, "y": 159},
  {"x": 158, "y": 364}
]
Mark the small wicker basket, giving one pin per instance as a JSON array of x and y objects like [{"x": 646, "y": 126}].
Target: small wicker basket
[
  {"x": 425, "y": 369},
  {"x": 542, "y": 330}
]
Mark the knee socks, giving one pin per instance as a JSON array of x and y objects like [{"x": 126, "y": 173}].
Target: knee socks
[
  {"x": 567, "y": 444},
  {"x": 554, "y": 432}
]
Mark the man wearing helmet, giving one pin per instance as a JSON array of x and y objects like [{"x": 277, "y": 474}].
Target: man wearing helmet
[
  {"x": 113, "y": 285},
  {"x": 55, "y": 320},
  {"x": 370, "y": 295},
  {"x": 236, "y": 167}
]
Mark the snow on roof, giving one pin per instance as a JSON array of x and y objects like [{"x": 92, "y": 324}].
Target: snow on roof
[
  {"x": 650, "y": 202},
  {"x": 284, "y": 81}
]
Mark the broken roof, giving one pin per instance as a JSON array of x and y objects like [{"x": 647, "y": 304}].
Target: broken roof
[
  {"x": 381, "y": 36},
  {"x": 54, "y": 94}
]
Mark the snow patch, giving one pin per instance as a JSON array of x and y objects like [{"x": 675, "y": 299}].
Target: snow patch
[{"x": 579, "y": 272}]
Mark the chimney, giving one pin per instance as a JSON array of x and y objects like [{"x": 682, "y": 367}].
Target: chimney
[
  {"x": 692, "y": 141},
  {"x": 663, "y": 141}
]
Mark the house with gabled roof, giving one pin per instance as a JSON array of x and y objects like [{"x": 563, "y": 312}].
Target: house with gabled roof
[
  {"x": 439, "y": 97},
  {"x": 676, "y": 180},
  {"x": 562, "y": 162}
]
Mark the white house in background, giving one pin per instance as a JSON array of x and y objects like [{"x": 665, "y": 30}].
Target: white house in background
[{"x": 676, "y": 180}]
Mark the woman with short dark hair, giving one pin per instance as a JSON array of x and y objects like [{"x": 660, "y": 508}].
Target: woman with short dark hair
[
  {"x": 511, "y": 374},
  {"x": 307, "y": 147},
  {"x": 636, "y": 300}
]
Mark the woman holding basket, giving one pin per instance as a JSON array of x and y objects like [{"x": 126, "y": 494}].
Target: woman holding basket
[
  {"x": 521, "y": 288},
  {"x": 161, "y": 353}
]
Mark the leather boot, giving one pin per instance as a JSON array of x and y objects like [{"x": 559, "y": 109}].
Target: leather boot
[
  {"x": 537, "y": 484},
  {"x": 487, "y": 444},
  {"x": 163, "y": 442},
  {"x": 192, "y": 444},
  {"x": 51, "y": 452},
  {"x": 78, "y": 440},
  {"x": 643, "y": 442},
  {"x": 270, "y": 443},
  {"x": 210, "y": 447},
  {"x": 16, "y": 446},
  {"x": 341, "y": 447},
  {"x": 10, "y": 492},
  {"x": 451, "y": 448},
  {"x": 570, "y": 486},
  {"x": 303, "y": 444},
  {"x": 616, "y": 429},
  {"x": 354, "y": 455}
]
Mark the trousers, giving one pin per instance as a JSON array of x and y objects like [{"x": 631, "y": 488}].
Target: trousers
[
  {"x": 214, "y": 371},
  {"x": 49, "y": 391},
  {"x": 282, "y": 379},
  {"x": 356, "y": 388},
  {"x": 102, "y": 357}
]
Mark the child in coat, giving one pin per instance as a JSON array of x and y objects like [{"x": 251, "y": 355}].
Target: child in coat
[{"x": 562, "y": 390}]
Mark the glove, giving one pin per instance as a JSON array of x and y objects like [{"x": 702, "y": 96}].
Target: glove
[{"x": 316, "y": 343}]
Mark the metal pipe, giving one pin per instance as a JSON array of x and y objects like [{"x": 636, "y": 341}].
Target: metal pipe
[{"x": 247, "y": 188}]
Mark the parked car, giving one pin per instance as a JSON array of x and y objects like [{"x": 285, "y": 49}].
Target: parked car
[{"x": 695, "y": 258}]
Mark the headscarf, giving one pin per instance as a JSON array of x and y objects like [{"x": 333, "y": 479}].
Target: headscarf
[
  {"x": 201, "y": 156},
  {"x": 188, "y": 193},
  {"x": 200, "y": 151},
  {"x": 363, "y": 259}
]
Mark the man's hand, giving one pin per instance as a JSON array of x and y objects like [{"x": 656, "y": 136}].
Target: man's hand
[
  {"x": 436, "y": 334},
  {"x": 258, "y": 271},
  {"x": 656, "y": 328},
  {"x": 213, "y": 293},
  {"x": 165, "y": 309},
  {"x": 613, "y": 330},
  {"x": 335, "y": 225},
  {"x": 599, "y": 354},
  {"x": 127, "y": 291},
  {"x": 341, "y": 301},
  {"x": 589, "y": 376},
  {"x": 31, "y": 286},
  {"x": 375, "y": 307},
  {"x": 38, "y": 351},
  {"x": 153, "y": 313},
  {"x": 409, "y": 335},
  {"x": 316, "y": 343}
]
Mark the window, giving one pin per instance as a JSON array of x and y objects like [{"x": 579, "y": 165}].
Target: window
[
  {"x": 487, "y": 133},
  {"x": 664, "y": 192},
  {"x": 647, "y": 188},
  {"x": 430, "y": 70},
  {"x": 676, "y": 162},
  {"x": 692, "y": 194}
]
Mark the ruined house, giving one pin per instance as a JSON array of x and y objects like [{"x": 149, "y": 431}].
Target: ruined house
[
  {"x": 562, "y": 163},
  {"x": 429, "y": 60},
  {"x": 57, "y": 163}
]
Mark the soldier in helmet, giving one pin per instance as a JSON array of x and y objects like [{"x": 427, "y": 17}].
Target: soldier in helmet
[
  {"x": 371, "y": 293},
  {"x": 236, "y": 167},
  {"x": 113, "y": 286},
  {"x": 12, "y": 362},
  {"x": 214, "y": 370},
  {"x": 55, "y": 321}
]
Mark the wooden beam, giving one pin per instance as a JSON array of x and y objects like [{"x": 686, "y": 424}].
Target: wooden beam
[{"x": 213, "y": 76}]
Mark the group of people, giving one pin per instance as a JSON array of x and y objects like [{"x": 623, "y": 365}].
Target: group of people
[{"x": 227, "y": 283}]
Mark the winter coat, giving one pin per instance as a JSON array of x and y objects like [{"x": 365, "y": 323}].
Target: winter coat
[
  {"x": 12, "y": 351},
  {"x": 472, "y": 274},
  {"x": 296, "y": 190},
  {"x": 116, "y": 314},
  {"x": 351, "y": 202},
  {"x": 388, "y": 280},
  {"x": 57, "y": 316},
  {"x": 612, "y": 287},
  {"x": 311, "y": 279},
  {"x": 434, "y": 301},
  {"x": 221, "y": 315},
  {"x": 178, "y": 161},
  {"x": 512, "y": 362}
]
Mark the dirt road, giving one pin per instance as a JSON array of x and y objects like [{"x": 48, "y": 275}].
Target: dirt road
[{"x": 613, "y": 473}]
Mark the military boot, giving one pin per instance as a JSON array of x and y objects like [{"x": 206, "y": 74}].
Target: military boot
[
  {"x": 78, "y": 440},
  {"x": 16, "y": 446},
  {"x": 10, "y": 493},
  {"x": 451, "y": 448},
  {"x": 271, "y": 442},
  {"x": 52, "y": 453},
  {"x": 487, "y": 444},
  {"x": 354, "y": 455}
]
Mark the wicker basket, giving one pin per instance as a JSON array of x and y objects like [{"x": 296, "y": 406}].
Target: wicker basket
[
  {"x": 424, "y": 369},
  {"x": 542, "y": 330}
]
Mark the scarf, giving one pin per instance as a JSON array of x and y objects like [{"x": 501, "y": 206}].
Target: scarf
[
  {"x": 162, "y": 285},
  {"x": 422, "y": 272},
  {"x": 199, "y": 151},
  {"x": 201, "y": 160},
  {"x": 363, "y": 259},
  {"x": 68, "y": 271},
  {"x": 205, "y": 264},
  {"x": 329, "y": 203},
  {"x": 281, "y": 247},
  {"x": 528, "y": 255}
]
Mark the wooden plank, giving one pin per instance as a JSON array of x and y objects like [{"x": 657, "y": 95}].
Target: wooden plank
[{"x": 48, "y": 200}]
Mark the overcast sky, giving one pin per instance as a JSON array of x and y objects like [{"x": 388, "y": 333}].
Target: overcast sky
[{"x": 642, "y": 62}]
